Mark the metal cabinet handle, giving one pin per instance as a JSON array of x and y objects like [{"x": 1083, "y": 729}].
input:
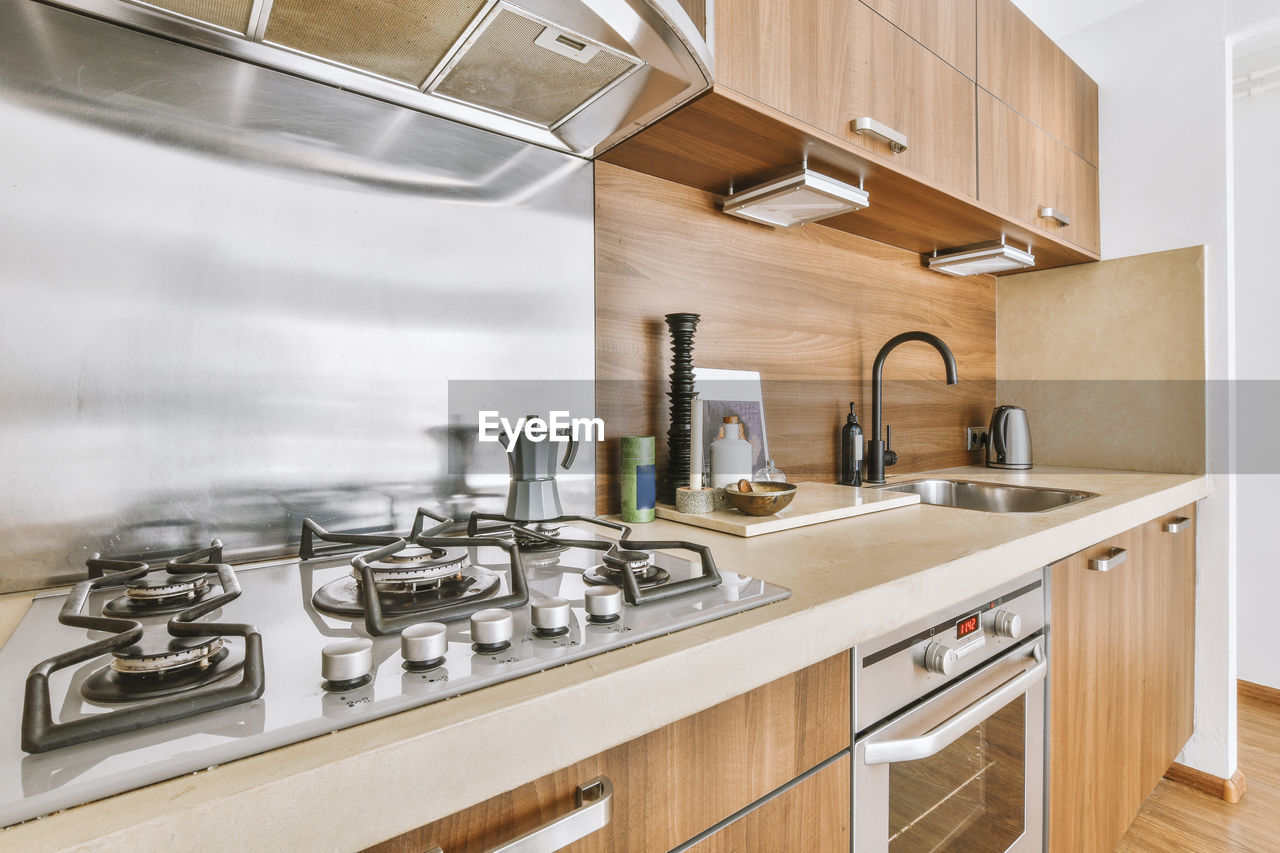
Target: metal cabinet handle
[
  {"x": 593, "y": 811},
  {"x": 869, "y": 126},
  {"x": 1176, "y": 525},
  {"x": 948, "y": 731},
  {"x": 1056, "y": 215},
  {"x": 1114, "y": 557}
]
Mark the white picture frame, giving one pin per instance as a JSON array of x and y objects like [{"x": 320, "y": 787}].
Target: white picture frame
[{"x": 736, "y": 392}]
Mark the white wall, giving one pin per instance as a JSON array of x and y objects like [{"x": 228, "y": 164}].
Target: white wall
[
  {"x": 1256, "y": 144},
  {"x": 1161, "y": 67}
]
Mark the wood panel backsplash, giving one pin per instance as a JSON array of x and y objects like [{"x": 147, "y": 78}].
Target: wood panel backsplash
[{"x": 808, "y": 308}]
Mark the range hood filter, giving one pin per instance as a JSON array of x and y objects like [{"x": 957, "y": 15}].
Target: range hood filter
[
  {"x": 518, "y": 66},
  {"x": 576, "y": 76}
]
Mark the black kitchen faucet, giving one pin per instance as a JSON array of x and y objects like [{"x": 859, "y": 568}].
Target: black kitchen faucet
[{"x": 879, "y": 454}]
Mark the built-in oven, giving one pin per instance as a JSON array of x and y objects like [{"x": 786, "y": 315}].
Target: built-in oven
[{"x": 949, "y": 728}]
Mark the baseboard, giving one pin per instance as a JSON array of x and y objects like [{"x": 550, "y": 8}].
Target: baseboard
[
  {"x": 1230, "y": 790},
  {"x": 1260, "y": 692}
]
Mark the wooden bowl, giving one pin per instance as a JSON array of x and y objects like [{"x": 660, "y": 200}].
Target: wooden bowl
[{"x": 765, "y": 498}]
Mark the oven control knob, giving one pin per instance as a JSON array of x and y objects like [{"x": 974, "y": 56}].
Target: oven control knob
[
  {"x": 491, "y": 629},
  {"x": 423, "y": 646},
  {"x": 1007, "y": 624},
  {"x": 346, "y": 664},
  {"x": 550, "y": 616},
  {"x": 604, "y": 604},
  {"x": 940, "y": 658}
]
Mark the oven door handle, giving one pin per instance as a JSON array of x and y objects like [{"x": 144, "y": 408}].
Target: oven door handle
[{"x": 945, "y": 733}]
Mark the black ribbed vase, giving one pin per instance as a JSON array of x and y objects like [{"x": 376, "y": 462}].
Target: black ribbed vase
[{"x": 681, "y": 396}]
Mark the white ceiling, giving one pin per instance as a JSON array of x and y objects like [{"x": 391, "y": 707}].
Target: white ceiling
[{"x": 1059, "y": 19}]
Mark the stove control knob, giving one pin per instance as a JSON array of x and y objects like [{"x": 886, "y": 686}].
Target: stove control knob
[
  {"x": 1007, "y": 624},
  {"x": 940, "y": 658},
  {"x": 491, "y": 629},
  {"x": 550, "y": 616},
  {"x": 347, "y": 664},
  {"x": 604, "y": 604},
  {"x": 423, "y": 646}
]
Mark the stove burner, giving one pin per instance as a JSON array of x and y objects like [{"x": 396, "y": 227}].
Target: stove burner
[
  {"x": 405, "y": 580},
  {"x": 345, "y": 596},
  {"x": 615, "y": 562},
  {"x": 413, "y": 556},
  {"x": 416, "y": 568},
  {"x": 639, "y": 563},
  {"x": 530, "y": 544},
  {"x": 636, "y": 561},
  {"x": 141, "y": 672},
  {"x": 647, "y": 577},
  {"x": 628, "y": 563},
  {"x": 147, "y": 596},
  {"x": 148, "y": 665},
  {"x": 156, "y": 654}
]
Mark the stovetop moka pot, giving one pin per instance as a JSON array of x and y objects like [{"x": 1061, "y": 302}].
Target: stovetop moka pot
[{"x": 533, "y": 494}]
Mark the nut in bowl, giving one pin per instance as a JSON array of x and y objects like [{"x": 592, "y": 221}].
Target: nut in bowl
[{"x": 764, "y": 498}]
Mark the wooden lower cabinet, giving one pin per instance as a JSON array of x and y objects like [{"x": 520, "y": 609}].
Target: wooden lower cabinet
[
  {"x": 1121, "y": 680},
  {"x": 676, "y": 782},
  {"x": 812, "y": 816}
]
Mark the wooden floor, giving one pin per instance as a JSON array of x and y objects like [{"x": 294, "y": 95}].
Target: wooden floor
[{"x": 1180, "y": 818}]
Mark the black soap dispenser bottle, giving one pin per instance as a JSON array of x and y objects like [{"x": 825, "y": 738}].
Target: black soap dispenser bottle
[{"x": 851, "y": 450}]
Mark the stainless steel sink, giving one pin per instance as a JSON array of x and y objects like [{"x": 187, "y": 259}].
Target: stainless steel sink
[{"x": 988, "y": 497}]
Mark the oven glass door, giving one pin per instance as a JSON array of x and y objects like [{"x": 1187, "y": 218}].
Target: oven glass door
[{"x": 961, "y": 772}]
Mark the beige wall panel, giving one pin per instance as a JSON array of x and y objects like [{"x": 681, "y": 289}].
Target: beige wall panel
[{"x": 1108, "y": 360}]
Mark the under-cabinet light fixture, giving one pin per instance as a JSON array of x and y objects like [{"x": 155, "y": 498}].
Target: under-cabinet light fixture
[
  {"x": 800, "y": 197},
  {"x": 979, "y": 259}
]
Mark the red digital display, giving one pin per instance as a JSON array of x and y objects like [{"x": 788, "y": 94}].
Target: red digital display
[{"x": 968, "y": 625}]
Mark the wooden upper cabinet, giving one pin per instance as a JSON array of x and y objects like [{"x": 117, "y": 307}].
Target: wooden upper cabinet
[
  {"x": 829, "y": 62},
  {"x": 1021, "y": 66},
  {"x": 899, "y": 83},
  {"x": 793, "y": 55},
  {"x": 946, "y": 27},
  {"x": 1023, "y": 170}
]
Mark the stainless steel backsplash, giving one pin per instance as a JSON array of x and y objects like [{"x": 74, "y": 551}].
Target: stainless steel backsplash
[{"x": 232, "y": 299}]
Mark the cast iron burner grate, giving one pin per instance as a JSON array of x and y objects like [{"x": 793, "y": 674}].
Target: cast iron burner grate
[
  {"x": 628, "y": 563},
  {"x": 405, "y": 580},
  {"x": 177, "y": 677}
]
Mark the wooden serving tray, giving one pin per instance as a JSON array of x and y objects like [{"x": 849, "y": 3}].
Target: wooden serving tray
[{"x": 814, "y": 503}]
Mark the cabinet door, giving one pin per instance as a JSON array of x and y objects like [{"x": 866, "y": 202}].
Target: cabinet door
[
  {"x": 1168, "y": 620},
  {"x": 812, "y": 816},
  {"x": 1122, "y": 661},
  {"x": 673, "y": 783},
  {"x": 1022, "y": 171},
  {"x": 793, "y": 55},
  {"x": 1097, "y": 716},
  {"x": 1021, "y": 66},
  {"x": 946, "y": 27},
  {"x": 899, "y": 83}
]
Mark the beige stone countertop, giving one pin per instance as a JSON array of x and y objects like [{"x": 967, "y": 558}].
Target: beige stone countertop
[{"x": 850, "y": 581}]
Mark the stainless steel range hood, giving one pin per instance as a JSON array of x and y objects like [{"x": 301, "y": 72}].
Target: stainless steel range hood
[{"x": 571, "y": 75}]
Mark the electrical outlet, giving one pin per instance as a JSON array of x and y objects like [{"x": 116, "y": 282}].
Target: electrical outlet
[{"x": 975, "y": 438}]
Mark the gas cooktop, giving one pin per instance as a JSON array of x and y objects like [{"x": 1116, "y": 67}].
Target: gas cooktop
[{"x": 143, "y": 673}]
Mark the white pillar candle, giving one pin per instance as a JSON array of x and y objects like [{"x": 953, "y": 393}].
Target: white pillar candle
[{"x": 695, "y": 444}]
